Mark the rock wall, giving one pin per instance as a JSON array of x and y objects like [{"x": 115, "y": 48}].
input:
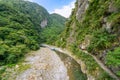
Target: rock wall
[
  {"x": 82, "y": 7},
  {"x": 94, "y": 26},
  {"x": 44, "y": 23}
]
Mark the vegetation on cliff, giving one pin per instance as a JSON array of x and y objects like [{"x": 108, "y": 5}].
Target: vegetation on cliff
[{"x": 97, "y": 32}]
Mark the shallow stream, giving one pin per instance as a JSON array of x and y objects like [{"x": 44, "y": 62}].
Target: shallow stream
[{"x": 73, "y": 68}]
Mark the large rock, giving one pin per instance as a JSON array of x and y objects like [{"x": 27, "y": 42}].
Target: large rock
[
  {"x": 107, "y": 25},
  {"x": 44, "y": 23},
  {"x": 82, "y": 6},
  {"x": 85, "y": 43},
  {"x": 112, "y": 8}
]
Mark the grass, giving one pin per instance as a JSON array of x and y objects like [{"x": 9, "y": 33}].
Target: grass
[{"x": 91, "y": 65}]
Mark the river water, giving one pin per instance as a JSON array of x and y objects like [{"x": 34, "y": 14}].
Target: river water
[{"x": 73, "y": 68}]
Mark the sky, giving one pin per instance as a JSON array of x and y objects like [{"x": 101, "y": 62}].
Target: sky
[{"x": 62, "y": 7}]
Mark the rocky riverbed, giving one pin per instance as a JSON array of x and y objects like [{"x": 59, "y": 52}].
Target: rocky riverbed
[{"x": 45, "y": 65}]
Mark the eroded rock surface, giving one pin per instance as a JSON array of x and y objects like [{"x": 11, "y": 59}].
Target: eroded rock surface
[{"x": 45, "y": 65}]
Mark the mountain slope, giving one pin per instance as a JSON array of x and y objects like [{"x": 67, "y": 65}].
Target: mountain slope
[
  {"x": 94, "y": 27},
  {"x": 33, "y": 11},
  {"x": 17, "y": 35},
  {"x": 57, "y": 25},
  {"x": 57, "y": 20},
  {"x": 21, "y": 24}
]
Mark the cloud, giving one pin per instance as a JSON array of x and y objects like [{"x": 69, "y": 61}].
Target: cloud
[{"x": 65, "y": 10}]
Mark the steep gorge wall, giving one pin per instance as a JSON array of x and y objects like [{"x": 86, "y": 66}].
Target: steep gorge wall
[{"x": 94, "y": 26}]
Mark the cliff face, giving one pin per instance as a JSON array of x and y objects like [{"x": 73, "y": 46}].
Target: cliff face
[
  {"x": 43, "y": 24},
  {"x": 82, "y": 6},
  {"x": 94, "y": 26}
]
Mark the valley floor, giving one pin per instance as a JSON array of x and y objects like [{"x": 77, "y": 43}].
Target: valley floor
[{"x": 45, "y": 65}]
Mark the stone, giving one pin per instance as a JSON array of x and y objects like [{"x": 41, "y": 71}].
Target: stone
[
  {"x": 112, "y": 8},
  {"x": 43, "y": 24},
  {"x": 85, "y": 43}
]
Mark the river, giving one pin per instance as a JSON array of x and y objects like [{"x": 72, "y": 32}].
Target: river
[
  {"x": 73, "y": 68},
  {"x": 45, "y": 64}
]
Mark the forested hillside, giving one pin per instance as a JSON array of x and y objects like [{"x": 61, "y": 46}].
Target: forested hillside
[
  {"x": 94, "y": 27},
  {"x": 17, "y": 35},
  {"x": 57, "y": 25},
  {"x": 21, "y": 25},
  {"x": 33, "y": 11}
]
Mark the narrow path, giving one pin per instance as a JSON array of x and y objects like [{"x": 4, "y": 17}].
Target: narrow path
[
  {"x": 45, "y": 65},
  {"x": 103, "y": 66}
]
